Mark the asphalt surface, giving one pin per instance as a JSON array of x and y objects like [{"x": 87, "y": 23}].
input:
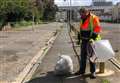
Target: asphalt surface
[
  {"x": 62, "y": 45},
  {"x": 17, "y": 48}
]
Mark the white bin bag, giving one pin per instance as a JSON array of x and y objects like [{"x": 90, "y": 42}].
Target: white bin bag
[{"x": 103, "y": 50}]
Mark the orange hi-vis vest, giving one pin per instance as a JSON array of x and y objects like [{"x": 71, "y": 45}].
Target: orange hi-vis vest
[{"x": 91, "y": 24}]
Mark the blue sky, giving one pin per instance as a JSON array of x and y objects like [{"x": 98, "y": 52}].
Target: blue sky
[{"x": 78, "y": 2}]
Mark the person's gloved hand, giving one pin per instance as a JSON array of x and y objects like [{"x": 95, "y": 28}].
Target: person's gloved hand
[
  {"x": 94, "y": 36},
  {"x": 91, "y": 40},
  {"x": 79, "y": 38}
]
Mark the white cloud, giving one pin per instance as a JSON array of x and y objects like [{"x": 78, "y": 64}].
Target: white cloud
[
  {"x": 78, "y": 2},
  {"x": 73, "y": 2}
]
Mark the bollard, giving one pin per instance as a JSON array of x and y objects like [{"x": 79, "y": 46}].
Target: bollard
[{"x": 102, "y": 67}]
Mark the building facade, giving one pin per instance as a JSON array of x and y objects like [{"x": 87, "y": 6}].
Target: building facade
[
  {"x": 116, "y": 12},
  {"x": 102, "y": 8}
]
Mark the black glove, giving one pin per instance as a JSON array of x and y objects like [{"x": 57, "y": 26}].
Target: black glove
[
  {"x": 79, "y": 38},
  {"x": 94, "y": 36}
]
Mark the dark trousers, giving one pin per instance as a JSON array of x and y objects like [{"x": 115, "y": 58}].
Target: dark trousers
[{"x": 83, "y": 58}]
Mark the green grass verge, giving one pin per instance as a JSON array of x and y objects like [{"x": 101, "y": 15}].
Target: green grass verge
[{"x": 105, "y": 81}]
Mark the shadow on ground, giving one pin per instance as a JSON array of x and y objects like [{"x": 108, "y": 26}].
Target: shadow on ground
[{"x": 51, "y": 78}]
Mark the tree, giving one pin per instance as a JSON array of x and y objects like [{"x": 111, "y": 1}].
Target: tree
[
  {"x": 49, "y": 10},
  {"x": 18, "y": 10},
  {"x": 14, "y": 10}
]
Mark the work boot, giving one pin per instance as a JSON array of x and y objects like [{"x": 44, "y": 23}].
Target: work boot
[
  {"x": 93, "y": 76},
  {"x": 79, "y": 73}
]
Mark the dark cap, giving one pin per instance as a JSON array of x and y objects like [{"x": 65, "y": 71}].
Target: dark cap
[{"x": 83, "y": 10}]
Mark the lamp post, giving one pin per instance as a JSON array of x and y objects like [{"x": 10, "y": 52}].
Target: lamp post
[
  {"x": 33, "y": 23},
  {"x": 69, "y": 13}
]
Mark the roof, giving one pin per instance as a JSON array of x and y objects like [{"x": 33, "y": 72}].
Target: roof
[{"x": 102, "y": 3}]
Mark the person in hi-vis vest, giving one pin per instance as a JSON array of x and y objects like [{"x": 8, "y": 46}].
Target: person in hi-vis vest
[{"x": 89, "y": 31}]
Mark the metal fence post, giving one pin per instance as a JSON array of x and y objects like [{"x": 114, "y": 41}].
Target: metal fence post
[{"x": 102, "y": 67}]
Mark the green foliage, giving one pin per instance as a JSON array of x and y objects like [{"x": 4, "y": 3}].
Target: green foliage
[
  {"x": 49, "y": 11},
  {"x": 21, "y": 23},
  {"x": 14, "y": 10},
  {"x": 28, "y": 10},
  {"x": 105, "y": 81}
]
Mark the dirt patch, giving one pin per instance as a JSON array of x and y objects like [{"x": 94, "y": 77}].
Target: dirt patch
[
  {"x": 24, "y": 42},
  {"x": 3, "y": 36},
  {"x": 20, "y": 47},
  {"x": 9, "y": 52}
]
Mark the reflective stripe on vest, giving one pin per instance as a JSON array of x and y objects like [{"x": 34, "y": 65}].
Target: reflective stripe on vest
[{"x": 87, "y": 25}]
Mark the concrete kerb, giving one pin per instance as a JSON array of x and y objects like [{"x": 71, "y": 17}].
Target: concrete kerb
[
  {"x": 28, "y": 71},
  {"x": 115, "y": 63}
]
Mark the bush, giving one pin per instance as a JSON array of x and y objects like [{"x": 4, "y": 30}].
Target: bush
[
  {"x": 25, "y": 23},
  {"x": 21, "y": 23},
  {"x": 15, "y": 11},
  {"x": 105, "y": 81}
]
